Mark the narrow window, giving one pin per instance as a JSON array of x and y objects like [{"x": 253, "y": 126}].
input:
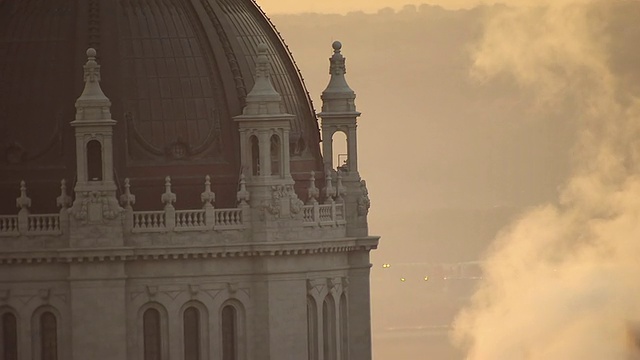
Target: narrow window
[
  {"x": 340, "y": 149},
  {"x": 329, "y": 328},
  {"x": 344, "y": 327},
  {"x": 275, "y": 155},
  {"x": 229, "y": 333},
  {"x": 191, "y": 318},
  {"x": 9, "y": 336},
  {"x": 312, "y": 328},
  {"x": 152, "y": 337},
  {"x": 94, "y": 160},
  {"x": 48, "y": 336},
  {"x": 255, "y": 155}
]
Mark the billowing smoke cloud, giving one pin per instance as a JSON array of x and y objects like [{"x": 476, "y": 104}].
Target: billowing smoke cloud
[{"x": 563, "y": 282}]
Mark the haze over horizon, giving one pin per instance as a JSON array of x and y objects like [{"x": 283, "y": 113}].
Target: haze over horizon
[{"x": 453, "y": 152}]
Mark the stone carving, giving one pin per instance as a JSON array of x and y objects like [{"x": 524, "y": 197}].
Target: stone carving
[
  {"x": 364, "y": 203},
  {"x": 109, "y": 205},
  {"x": 280, "y": 194}
]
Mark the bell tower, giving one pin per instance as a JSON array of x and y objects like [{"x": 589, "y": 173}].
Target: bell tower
[
  {"x": 339, "y": 114},
  {"x": 95, "y": 201},
  {"x": 264, "y": 152}
]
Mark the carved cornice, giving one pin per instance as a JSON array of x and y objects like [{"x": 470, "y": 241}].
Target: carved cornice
[{"x": 191, "y": 252}]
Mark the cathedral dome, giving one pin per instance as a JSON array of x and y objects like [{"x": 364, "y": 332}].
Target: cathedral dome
[{"x": 176, "y": 72}]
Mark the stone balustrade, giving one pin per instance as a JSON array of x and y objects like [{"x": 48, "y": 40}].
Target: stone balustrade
[
  {"x": 316, "y": 214},
  {"x": 208, "y": 218}
]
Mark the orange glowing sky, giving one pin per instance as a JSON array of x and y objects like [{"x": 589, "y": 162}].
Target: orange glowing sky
[{"x": 341, "y": 6}]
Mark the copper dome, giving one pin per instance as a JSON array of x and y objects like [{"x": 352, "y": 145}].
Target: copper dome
[{"x": 176, "y": 73}]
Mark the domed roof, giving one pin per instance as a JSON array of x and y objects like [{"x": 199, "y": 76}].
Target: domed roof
[{"x": 176, "y": 73}]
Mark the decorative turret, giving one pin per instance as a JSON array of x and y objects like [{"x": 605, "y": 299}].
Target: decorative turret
[
  {"x": 95, "y": 202},
  {"x": 339, "y": 114},
  {"x": 264, "y": 146}
]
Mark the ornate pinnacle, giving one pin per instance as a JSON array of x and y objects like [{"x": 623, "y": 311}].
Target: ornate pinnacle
[
  {"x": 23, "y": 202},
  {"x": 329, "y": 190},
  {"x": 337, "y": 67},
  {"x": 92, "y": 90},
  {"x": 313, "y": 191},
  {"x": 63, "y": 201},
  {"x": 208, "y": 196},
  {"x": 243, "y": 194},
  {"x": 341, "y": 189},
  {"x": 263, "y": 99},
  {"x": 168, "y": 198},
  {"x": 127, "y": 199},
  {"x": 338, "y": 96}
]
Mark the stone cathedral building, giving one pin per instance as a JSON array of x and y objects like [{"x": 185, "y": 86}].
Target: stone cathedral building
[{"x": 163, "y": 194}]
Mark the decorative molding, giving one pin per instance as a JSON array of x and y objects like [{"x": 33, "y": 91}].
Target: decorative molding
[{"x": 65, "y": 256}]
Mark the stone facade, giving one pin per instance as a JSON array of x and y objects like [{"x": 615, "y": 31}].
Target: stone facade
[{"x": 281, "y": 276}]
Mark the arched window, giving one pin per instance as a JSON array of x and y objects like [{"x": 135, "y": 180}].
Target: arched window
[
  {"x": 344, "y": 327},
  {"x": 191, "y": 320},
  {"x": 94, "y": 160},
  {"x": 48, "y": 336},
  {"x": 255, "y": 155},
  {"x": 329, "y": 328},
  {"x": 312, "y": 328},
  {"x": 152, "y": 334},
  {"x": 340, "y": 149},
  {"x": 229, "y": 333},
  {"x": 275, "y": 155},
  {"x": 9, "y": 336}
]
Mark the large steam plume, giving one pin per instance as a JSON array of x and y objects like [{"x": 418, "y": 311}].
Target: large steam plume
[{"x": 563, "y": 282}]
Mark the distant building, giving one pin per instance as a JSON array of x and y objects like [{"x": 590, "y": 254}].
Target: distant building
[{"x": 182, "y": 208}]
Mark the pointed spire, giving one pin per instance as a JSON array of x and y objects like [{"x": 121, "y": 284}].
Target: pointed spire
[
  {"x": 208, "y": 196},
  {"x": 313, "y": 191},
  {"x": 168, "y": 198},
  {"x": 92, "y": 104},
  {"x": 243, "y": 194},
  {"x": 329, "y": 190},
  {"x": 263, "y": 99},
  {"x": 64, "y": 200},
  {"x": 338, "y": 96},
  {"x": 23, "y": 202},
  {"x": 127, "y": 199}
]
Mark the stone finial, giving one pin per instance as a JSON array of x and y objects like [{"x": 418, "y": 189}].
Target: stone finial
[
  {"x": 208, "y": 196},
  {"x": 168, "y": 198},
  {"x": 329, "y": 190},
  {"x": 127, "y": 199},
  {"x": 313, "y": 191},
  {"x": 64, "y": 200},
  {"x": 341, "y": 190},
  {"x": 263, "y": 99},
  {"x": 23, "y": 202},
  {"x": 92, "y": 91},
  {"x": 243, "y": 194},
  {"x": 338, "y": 96}
]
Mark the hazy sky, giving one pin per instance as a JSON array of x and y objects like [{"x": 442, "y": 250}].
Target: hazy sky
[{"x": 341, "y": 6}]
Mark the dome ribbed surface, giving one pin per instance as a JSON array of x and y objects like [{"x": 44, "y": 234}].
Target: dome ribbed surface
[{"x": 176, "y": 73}]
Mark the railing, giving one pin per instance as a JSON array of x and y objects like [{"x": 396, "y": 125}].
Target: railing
[
  {"x": 9, "y": 224},
  {"x": 326, "y": 214},
  {"x": 149, "y": 220},
  {"x": 187, "y": 220},
  {"x": 43, "y": 224},
  {"x": 228, "y": 218},
  {"x": 191, "y": 219}
]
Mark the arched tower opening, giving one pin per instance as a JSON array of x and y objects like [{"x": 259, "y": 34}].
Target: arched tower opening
[
  {"x": 276, "y": 155},
  {"x": 94, "y": 160}
]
